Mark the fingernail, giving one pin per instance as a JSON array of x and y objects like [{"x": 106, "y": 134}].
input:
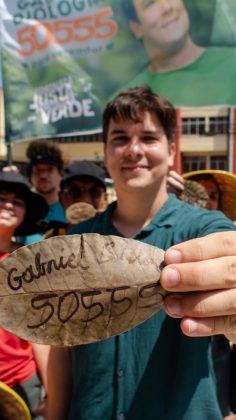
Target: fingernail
[
  {"x": 170, "y": 277},
  {"x": 192, "y": 326},
  {"x": 173, "y": 307},
  {"x": 174, "y": 256}
]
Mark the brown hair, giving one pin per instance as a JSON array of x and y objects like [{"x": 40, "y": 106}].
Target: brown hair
[
  {"x": 44, "y": 150},
  {"x": 132, "y": 103}
]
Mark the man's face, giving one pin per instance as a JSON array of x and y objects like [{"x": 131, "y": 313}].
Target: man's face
[
  {"x": 162, "y": 23},
  {"x": 45, "y": 178},
  {"x": 137, "y": 154},
  {"x": 82, "y": 190},
  {"x": 12, "y": 210}
]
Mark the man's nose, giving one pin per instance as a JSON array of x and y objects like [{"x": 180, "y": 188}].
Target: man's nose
[
  {"x": 165, "y": 5},
  {"x": 134, "y": 148},
  {"x": 85, "y": 197},
  {"x": 8, "y": 204},
  {"x": 44, "y": 175}
]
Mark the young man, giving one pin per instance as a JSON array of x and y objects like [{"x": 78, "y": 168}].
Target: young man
[
  {"x": 84, "y": 182},
  {"x": 45, "y": 170},
  {"x": 186, "y": 73},
  {"x": 152, "y": 371},
  {"x": 82, "y": 193}
]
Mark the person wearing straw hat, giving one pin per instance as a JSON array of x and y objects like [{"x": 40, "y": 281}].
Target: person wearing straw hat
[
  {"x": 21, "y": 363},
  {"x": 221, "y": 187}
]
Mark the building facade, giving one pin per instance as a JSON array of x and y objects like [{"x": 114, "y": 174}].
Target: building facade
[{"x": 205, "y": 139}]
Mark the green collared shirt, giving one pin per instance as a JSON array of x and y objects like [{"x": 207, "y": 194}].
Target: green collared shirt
[{"x": 153, "y": 371}]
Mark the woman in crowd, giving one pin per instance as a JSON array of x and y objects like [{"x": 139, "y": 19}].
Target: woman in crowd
[{"x": 22, "y": 364}]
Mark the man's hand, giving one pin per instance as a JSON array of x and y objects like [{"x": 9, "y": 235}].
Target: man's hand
[{"x": 203, "y": 272}]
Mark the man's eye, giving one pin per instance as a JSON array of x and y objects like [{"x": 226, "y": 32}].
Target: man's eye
[
  {"x": 149, "y": 139},
  {"x": 119, "y": 139},
  {"x": 147, "y": 3}
]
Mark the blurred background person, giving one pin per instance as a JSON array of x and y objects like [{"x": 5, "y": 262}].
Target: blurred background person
[
  {"x": 45, "y": 171},
  {"x": 22, "y": 364},
  {"x": 221, "y": 188},
  {"x": 82, "y": 193}
]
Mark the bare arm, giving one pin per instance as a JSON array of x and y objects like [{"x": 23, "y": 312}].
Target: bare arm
[
  {"x": 41, "y": 353},
  {"x": 201, "y": 274},
  {"x": 60, "y": 382}
]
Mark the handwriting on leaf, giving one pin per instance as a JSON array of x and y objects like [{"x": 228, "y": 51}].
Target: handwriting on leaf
[{"x": 78, "y": 289}]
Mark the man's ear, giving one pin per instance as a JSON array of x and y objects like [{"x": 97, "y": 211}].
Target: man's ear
[
  {"x": 104, "y": 154},
  {"x": 172, "y": 152},
  {"x": 104, "y": 202},
  {"x": 136, "y": 28},
  {"x": 61, "y": 199}
]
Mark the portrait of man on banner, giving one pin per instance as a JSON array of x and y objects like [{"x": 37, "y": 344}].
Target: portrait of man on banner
[{"x": 188, "y": 73}]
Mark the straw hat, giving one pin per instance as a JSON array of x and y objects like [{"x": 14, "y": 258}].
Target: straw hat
[
  {"x": 227, "y": 185},
  {"x": 12, "y": 406}
]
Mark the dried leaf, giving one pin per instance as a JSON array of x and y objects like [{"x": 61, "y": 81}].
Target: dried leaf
[
  {"x": 78, "y": 289},
  {"x": 78, "y": 212}
]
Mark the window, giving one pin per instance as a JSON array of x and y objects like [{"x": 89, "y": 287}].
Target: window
[
  {"x": 197, "y": 163},
  {"x": 193, "y": 126},
  {"x": 193, "y": 163},
  {"x": 218, "y": 125},
  {"x": 219, "y": 162}
]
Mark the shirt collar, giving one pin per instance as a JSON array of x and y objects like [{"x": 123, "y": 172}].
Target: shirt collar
[{"x": 166, "y": 216}]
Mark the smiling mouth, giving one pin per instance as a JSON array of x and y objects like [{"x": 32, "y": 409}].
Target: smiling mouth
[
  {"x": 169, "y": 22},
  {"x": 134, "y": 168},
  {"x": 6, "y": 217}
]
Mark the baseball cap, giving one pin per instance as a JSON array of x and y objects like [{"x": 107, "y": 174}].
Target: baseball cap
[{"x": 84, "y": 169}]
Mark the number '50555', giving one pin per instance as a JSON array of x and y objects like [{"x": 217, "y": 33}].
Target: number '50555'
[
  {"x": 40, "y": 35},
  {"x": 66, "y": 305}
]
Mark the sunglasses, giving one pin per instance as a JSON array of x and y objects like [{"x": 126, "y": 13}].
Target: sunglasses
[{"x": 77, "y": 192}]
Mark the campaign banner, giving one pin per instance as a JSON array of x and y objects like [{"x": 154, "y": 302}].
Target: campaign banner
[{"x": 62, "y": 60}]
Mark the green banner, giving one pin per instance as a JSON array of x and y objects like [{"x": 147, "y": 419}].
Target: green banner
[{"x": 62, "y": 60}]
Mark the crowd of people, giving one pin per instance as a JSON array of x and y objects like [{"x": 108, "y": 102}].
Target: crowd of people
[{"x": 168, "y": 367}]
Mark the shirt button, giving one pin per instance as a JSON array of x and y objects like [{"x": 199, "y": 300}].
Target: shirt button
[
  {"x": 120, "y": 416},
  {"x": 120, "y": 373}
]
